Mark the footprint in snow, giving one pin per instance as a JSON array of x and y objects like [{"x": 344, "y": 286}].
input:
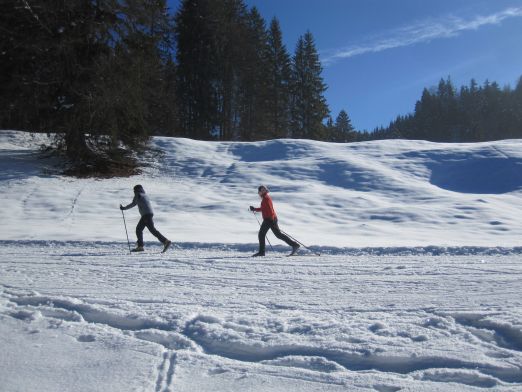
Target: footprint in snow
[
  {"x": 386, "y": 388},
  {"x": 86, "y": 338}
]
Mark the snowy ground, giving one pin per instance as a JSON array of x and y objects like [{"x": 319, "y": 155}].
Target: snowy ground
[
  {"x": 94, "y": 318},
  {"x": 418, "y": 287}
]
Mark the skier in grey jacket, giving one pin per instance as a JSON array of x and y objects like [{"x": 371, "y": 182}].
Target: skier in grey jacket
[{"x": 142, "y": 201}]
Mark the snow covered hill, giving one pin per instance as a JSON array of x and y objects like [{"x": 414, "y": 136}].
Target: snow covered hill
[
  {"x": 385, "y": 193},
  {"x": 433, "y": 305}
]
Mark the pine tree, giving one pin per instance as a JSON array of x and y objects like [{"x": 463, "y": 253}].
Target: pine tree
[
  {"x": 278, "y": 83},
  {"x": 447, "y": 112},
  {"x": 470, "y": 111},
  {"x": 425, "y": 112},
  {"x": 517, "y": 109},
  {"x": 253, "y": 79},
  {"x": 196, "y": 69},
  {"x": 229, "y": 43},
  {"x": 330, "y": 130},
  {"x": 151, "y": 38},
  {"x": 494, "y": 114},
  {"x": 309, "y": 107},
  {"x": 344, "y": 131},
  {"x": 55, "y": 52},
  {"x": 87, "y": 71},
  {"x": 134, "y": 94},
  {"x": 298, "y": 93}
]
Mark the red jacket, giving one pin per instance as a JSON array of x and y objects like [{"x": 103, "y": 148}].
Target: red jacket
[{"x": 267, "y": 208}]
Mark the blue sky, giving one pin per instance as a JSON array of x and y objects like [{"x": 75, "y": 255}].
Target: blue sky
[{"x": 378, "y": 55}]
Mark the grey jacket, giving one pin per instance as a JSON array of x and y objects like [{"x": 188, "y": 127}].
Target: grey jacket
[{"x": 143, "y": 202}]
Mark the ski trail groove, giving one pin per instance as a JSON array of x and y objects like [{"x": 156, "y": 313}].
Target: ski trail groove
[
  {"x": 160, "y": 380},
  {"x": 74, "y": 202},
  {"x": 166, "y": 372},
  {"x": 170, "y": 372}
]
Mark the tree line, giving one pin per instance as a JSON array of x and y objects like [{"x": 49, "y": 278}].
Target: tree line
[
  {"x": 236, "y": 79},
  {"x": 473, "y": 113},
  {"x": 105, "y": 75}
]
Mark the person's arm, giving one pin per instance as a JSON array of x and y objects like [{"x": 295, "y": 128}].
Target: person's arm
[
  {"x": 132, "y": 204},
  {"x": 252, "y": 208}
]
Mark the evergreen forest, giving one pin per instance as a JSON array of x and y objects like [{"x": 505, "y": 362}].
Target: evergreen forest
[{"x": 105, "y": 75}]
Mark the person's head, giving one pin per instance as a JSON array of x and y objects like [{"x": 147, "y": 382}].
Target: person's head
[
  {"x": 138, "y": 189},
  {"x": 262, "y": 190}
]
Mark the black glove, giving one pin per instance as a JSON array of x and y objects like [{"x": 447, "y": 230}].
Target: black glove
[
  {"x": 252, "y": 208},
  {"x": 121, "y": 207}
]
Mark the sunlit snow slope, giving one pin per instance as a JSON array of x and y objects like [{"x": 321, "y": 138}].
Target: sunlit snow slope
[{"x": 385, "y": 193}]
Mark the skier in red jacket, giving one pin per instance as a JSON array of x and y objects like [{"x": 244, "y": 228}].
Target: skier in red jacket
[{"x": 270, "y": 222}]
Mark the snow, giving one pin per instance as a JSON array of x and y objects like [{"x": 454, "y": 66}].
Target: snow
[
  {"x": 377, "y": 194},
  {"x": 405, "y": 296}
]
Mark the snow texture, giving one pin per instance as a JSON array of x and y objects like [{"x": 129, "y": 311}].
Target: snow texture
[
  {"x": 376, "y": 194},
  {"x": 412, "y": 299}
]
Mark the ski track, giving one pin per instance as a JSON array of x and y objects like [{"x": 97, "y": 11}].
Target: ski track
[
  {"x": 166, "y": 372},
  {"x": 395, "y": 315},
  {"x": 74, "y": 203}
]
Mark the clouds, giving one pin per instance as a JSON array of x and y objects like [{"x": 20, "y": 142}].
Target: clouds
[{"x": 419, "y": 32}]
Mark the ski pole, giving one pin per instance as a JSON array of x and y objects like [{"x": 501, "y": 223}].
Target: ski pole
[
  {"x": 300, "y": 243},
  {"x": 266, "y": 236},
  {"x": 125, "y": 224}
]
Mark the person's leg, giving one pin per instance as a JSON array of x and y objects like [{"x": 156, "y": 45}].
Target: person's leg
[
  {"x": 139, "y": 231},
  {"x": 281, "y": 236},
  {"x": 262, "y": 235},
  {"x": 149, "y": 222}
]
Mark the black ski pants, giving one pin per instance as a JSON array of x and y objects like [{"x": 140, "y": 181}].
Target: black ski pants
[
  {"x": 272, "y": 224},
  {"x": 146, "y": 221}
]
